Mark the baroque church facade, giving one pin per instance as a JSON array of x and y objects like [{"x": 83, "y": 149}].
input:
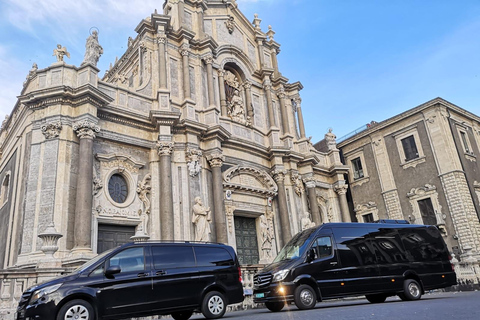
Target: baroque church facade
[{"x": 193, "y": 134}]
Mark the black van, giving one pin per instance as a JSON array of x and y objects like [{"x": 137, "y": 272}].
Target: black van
[
  {"x": 141, "y": 279},
  {"x": 336, "y": 260}
]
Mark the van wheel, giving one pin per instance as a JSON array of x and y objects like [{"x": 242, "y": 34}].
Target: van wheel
[
  {"x": 76, "y": 309},
  {"x": 376, "y": 298},
  {"x": 412, "y": 290},
  {"x": 182, "y": 315},
  {"x": 214, "y": 305},
  {"x": 274, "y": 306},
  {"x": 305, "y": 297}
]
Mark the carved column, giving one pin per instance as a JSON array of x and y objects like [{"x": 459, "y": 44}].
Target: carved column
[
  {"x": 271, "y": 114},
  {"x": 83, "y": 207},
  {"x": 186, "y": 71},
  {"x": 286, "y": 235},
  {"x": 223, "y": 97},
  {"x": 276, "y": 72},
  {"x": 216, "y": 160},
  {"x": 301, "y": 125},
  {"x": 342, "y": 194},
  {"x": 211, "y": 97},
  {"x": 283, "y": 110},
  {"x": 248, "y": 97},
  {"x": 165, "y": 149},
  {"x": 310, "y": 183},
  {"x": 162, "y": 68}
]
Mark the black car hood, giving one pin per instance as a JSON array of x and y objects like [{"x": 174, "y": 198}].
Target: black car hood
[
  {"x": 53, "y": 282},
  {"x": 280, "y": 265}
]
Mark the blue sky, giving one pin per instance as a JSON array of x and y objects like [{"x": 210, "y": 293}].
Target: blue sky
[{"x": 358, "y": 60}]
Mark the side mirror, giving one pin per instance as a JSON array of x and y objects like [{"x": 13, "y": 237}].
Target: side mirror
[
  {"x": 112, "y": 270},
  {"x": 310, "y": 255}
]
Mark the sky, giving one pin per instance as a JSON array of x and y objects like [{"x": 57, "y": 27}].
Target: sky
[{"x": 358, "y": 60}]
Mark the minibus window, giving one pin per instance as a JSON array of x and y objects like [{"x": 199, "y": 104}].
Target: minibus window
[{"x": 323, "y": 247}]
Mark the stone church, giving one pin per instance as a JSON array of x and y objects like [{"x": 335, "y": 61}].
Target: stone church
[{"x": 193, "y": 134}]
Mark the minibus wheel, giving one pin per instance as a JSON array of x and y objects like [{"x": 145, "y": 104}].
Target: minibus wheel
[
  {"x": 274, "y": 306},
  {"x": 412, "y": 290},
  {"x": 214, "y": 305},
  {"x": 76, "y": 309},
  {"x": 305, "y": 297},
  {"x": 182, "y": 315}
]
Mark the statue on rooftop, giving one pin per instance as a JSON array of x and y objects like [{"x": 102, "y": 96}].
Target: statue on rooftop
[
  {"x": 93, "y": 50},
  {"x": 60, "y": 52}
]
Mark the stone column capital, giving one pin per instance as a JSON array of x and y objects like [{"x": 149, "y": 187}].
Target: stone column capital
[
  {"x": 247, "y": 85},
  {"x": 281, "y": 94},
  {"x": 208, "y": 59},
  {"x": 161, "y": 39},
  {"x": 165, "y": 148},
  {"x": 184, "y": 50},
  {"x": 221, "y": 73},
  {"x": 310, "y": 182},
  {"x": 341, "y": 190},
  {"x": 298, "y": 101},
  {"x": 52, "y": 129},
  {"x": 267, "y": 86},
  {"x": 216, "y": 159},
  {"x": 85, "y": 129},
  {"x": 279, "y": 175}
]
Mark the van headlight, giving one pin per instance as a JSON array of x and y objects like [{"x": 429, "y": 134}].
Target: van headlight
[
  {"x": 280, "y": 275},
  {"x": 39, "y": 294}
]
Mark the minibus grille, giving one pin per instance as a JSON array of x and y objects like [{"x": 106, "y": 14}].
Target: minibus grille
[{"x": 261, "y": 280}]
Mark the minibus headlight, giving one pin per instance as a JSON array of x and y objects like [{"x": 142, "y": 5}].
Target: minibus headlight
[
  {"x": 39, "y": 294},
  {"x": 280, "y": 275}
]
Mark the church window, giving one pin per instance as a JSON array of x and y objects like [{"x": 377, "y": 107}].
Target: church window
[
  {"x": 4, "y": 190},
  {"x": 118, "y": 188}
]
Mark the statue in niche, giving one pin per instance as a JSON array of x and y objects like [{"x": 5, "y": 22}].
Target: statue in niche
[
  {"x": 298, "y": 184},
  {"x": 60, "y": 52},
  {"x": 307, "y": 221},
  {"x": 231, "y": 80},
  {"x": 142, "y": 227},
  {"x": 193, "y": 162},
  {"x": 267, "y": 237},
  {"x": 201, "y": 219},
  {"x": 93, "y": 49},
  {"x": 236, "y": 109}
]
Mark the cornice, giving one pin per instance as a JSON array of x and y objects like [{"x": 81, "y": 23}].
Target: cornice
[
  {"x": 164, "y": 118},
  {"x": 216, "y": 132}
]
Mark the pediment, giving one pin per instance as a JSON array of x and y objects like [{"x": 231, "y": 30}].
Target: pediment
[{"x": 250, "y": 179}]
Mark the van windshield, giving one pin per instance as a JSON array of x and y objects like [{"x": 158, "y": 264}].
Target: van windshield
[
  {"x": 93, "y": 261},
  {"x": 295, "y": 247}
]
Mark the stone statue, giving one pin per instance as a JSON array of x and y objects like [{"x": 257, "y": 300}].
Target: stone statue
[
  {"x": 60, "y": 52},
  {"x": 201, "y": 219},
  {"x": 31, "y": 73},
  {"x": 193, "y": 161},
  {"x": 237, "y": 110},
  {"x": 306, "y": 221},
  {"x": 267, "y": 237},
  {"x": 93, "y": 50}
]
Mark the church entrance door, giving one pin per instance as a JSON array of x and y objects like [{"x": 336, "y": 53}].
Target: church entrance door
[
  {"x": 246, "y": 239},
  {"x": 111, "y": 236}
]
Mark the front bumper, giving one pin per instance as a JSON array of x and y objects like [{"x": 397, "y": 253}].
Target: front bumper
[
  {"x": 274, "y": 292},
  {"x": 36, "y": 312}
]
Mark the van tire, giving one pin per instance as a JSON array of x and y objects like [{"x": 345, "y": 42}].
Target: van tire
[
  {"x": 182, "y": 315},
  {"x": 275, "y": 306},
  {"x": 214, "y": 305},
  {"x": 76, "y": 307},
  {"x": 376, "y": 298},
  {"x": 305, "y": 297},
  {"x": 412, "y": 290}
]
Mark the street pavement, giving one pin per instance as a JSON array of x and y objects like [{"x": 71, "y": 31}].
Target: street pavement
[{"x": 437, "y": 306}]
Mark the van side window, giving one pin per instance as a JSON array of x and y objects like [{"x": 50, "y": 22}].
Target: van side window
[
  {"x": 354, "y": 248},
  {"x": 387, "y": 245},
  {"x": 168, "y": 257},
  {"x": 423, "y": 244},
  {"x": 129, "y": 260},
  {"x": 323, "y": 247},
  {"x": 207, "y": 257}
]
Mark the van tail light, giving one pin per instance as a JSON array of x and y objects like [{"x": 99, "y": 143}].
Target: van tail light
[
  {"x": 451, "y": 263},
  {"x": 240, "y": 275}
]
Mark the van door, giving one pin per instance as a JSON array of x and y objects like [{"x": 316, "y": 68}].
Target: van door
[
  {"x": 357, "y": 259},
  {"x": 324, "y": 268},
  {"x": 174, "y": 276},
  {"x": 129, "y": 291}
]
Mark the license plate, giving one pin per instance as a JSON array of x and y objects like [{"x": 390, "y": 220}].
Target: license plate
[{"x": 259, "y": 295}]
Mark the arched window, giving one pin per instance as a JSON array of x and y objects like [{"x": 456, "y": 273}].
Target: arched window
[{"x": 5, "y": 189}]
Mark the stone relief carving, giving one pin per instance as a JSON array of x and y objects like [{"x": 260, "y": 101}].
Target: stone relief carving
[
  {"x": 93, "y": 49},
  {"x": 297, "y": 184},
  {"x": 231, "y": 80},
  {"x": 201, "y": 219},
  {"x": 143, "y": 189},
  {"x": 267, "y": 237},
  {"x": 165, "y": 148},
  {"x": 215, "y": 159},
  {"x": 230, "y": 24},
  {"x": 307, "y": 221},
  {"x": 322, "y": 202},
  {"x": 241, "y": 178},
  {"x": 193, "y": 157},
  {"x": 97, "y": 185},
  {"x": 366, "y": 208},
  {"x": 52, "y": 130},
  {"x": 229, "y": 209},
  {"x": 85, "y": 129},
  {"x": 60, "y": 52}
]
